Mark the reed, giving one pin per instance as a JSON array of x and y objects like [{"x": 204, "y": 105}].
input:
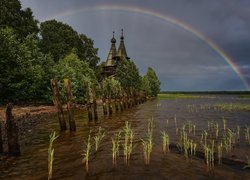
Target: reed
[
  {"x": 98, "y": 138},
  {"x": 150, "y": 125},
  {"x": 115, "y": 147},
  {"x": 128, "y": 142},
  {"x": 216, "y": 130},
  {"x": 194, "y": 127},
  {"x": 147, "y": 149},
  {"x": 86, "y": 153},
  {"x": 219, "y": 152},
  {"x": 238, "y": 133},
  {"x": 209, "y": 156},
  {"x": 175, "y": 122},
  {"x": 52, "y": 137},
  {"x": 165, "y": 142},
  {"x": 247, "y": 134},
  {"x": 224, "y": 124}
]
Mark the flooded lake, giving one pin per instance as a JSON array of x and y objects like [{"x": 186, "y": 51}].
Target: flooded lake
[{"x": 69, "y": 146}]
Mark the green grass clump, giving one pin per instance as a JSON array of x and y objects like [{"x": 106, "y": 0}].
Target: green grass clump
[
  {"x": 147, "y": 149},
  {"x": 98, "y": 138},
  {"x": 52, "y": 137},
  {"x": 175, "y": 96},
  {"x": 165, "y": 142},
  {"x": 247, "y": 134},
  {"x": 86, "y": 153},
  {"x": 244, "y": 96},
  {"x": 219, "y": 152},
  {"x": 148, "y": 142},
  {"x": 115, "y": 147},
  {"x": 209, "y": 155},
  {"x": 128, "y": 142},
  {"x": 232, "y": 107}
]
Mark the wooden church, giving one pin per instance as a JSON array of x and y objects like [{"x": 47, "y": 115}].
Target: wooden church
[{"x": 115, "y": 56}]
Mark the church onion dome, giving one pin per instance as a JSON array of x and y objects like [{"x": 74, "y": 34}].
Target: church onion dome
[
  {"x": 113, "y": 40},
  {"x": 122, "y": 37}
]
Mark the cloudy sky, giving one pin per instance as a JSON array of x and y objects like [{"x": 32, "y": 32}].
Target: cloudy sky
[{"x": 155, "y": 36}]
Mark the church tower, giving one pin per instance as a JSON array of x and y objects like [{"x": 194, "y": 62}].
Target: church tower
[
  {"x": 112, "y": 52},
  {"x": 122, "y": 53}
]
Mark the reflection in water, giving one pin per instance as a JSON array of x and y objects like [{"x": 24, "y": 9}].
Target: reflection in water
[{"x": 69, "y": 146}]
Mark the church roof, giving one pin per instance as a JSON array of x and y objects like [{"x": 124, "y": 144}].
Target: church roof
[
  {"x": 122, "y": 50},
  {"x": 112, "y": 53}
]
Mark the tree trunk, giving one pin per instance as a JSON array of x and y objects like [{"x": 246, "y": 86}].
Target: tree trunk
[
  {"x": 12, "y": 132},
  {"x": 1, "y": 140},
  {"x": 110, "y": 106},
  {"x": 58, "y": 104},
  {"x": 89, "y": 107},
  {"x": 104, "y": 105},
  {"x": 70, "y": 105},
  {"x": 94, "y": 102}
]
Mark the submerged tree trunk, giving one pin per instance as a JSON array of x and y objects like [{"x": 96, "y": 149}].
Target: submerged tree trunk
[
  {"x": 70, "y": 105},
  {"x": 1, "y": 140},
  {"x": 94, "y": 102},
  {"x": 104, "y": 105},
  {"x": 12, "y": 132},
  {"x": 110, "y": 106},
  {"x": 89, "y": 107},
  {"x": 58, "y": 104}
]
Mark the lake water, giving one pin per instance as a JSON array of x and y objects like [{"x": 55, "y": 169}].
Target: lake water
[{"x": 69, "y": 146}]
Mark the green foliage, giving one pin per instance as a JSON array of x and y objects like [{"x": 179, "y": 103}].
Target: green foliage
[
  {"x": 128, "y": 75},
  {"x": 111, "y": 87},
  {"x": 87, "y": 52},
  {"x": 145, "y": 85},
  {"x": 24, "y": 71},
  {"x": 59, "y": 39},
  {"x": 78, "y": 72},
  {"x": 154, "y": 82},
  {"x": 22, "y": 21}
]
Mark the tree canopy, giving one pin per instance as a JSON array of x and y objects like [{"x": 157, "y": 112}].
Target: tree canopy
[
  {"x": 25, "y": 71},
  {"x": 59, "y": 39},
  {"x": 22, "y": 21},
  {"x": 79, "y": 72},
  {"x": 128, "y": 75},
  {"x": 153, "y": 86}
]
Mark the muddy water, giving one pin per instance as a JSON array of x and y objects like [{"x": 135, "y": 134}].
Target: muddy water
[{"x": 69, "y": 146}]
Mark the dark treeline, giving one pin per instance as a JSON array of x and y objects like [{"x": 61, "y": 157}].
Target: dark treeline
[{"x": 33, "y": 53}]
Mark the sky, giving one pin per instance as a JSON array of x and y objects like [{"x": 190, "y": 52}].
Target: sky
[{"x": 181, "y": 40}]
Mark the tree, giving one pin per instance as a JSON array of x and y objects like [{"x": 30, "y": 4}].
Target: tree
[
  {"x": 128, "y": 75},
  {"x": 111, "y": 87},
  {"x": 59, "y": 39},
  {"x": 145, "y": 85},
  {"x": 78, "y": 72},
  {"x": 22, "y": 21},
  {"x": 88, "y": 52},
  {"x": 24, "y": 70},
  {"x": 154, "y": 82}
]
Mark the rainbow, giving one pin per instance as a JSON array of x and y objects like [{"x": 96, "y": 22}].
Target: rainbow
[{"x": 166, "y": 18}]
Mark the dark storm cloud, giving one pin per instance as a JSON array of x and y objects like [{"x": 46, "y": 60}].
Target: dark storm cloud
[{"x": 182, "y": 61}]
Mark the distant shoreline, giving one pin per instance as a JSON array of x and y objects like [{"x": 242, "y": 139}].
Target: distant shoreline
[{"x": 206, "y": 92}]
